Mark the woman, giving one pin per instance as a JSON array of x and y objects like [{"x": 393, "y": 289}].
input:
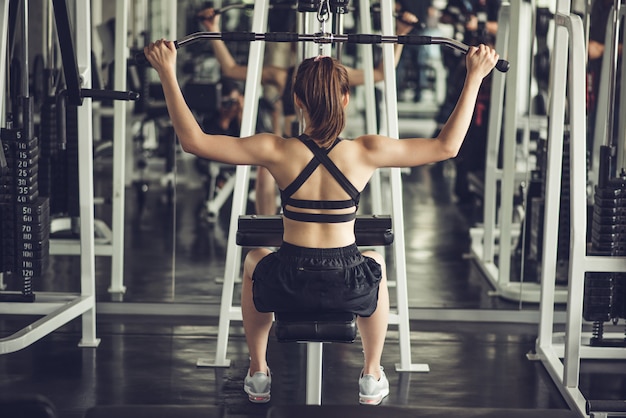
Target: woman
[{"x": 319, "y": 206}]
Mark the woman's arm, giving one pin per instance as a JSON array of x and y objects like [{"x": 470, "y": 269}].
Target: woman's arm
[
  {"x": 404, "y": 25},
  {"x": 230, "y": 67},
  {"x": 386, "y": 152},
  {"x": 254, "y": 150}
]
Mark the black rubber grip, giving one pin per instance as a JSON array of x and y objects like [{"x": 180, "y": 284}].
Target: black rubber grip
[
  {"x": 110, "y": 94},
  {"x": 605, "y": 406},
  {"x": 282, "y": 37},
  {"x": 364, "y": 39},
  {"x": 140, "y": 59},
  {"x": 503, "y": 66},
  {"x": 415, "y": 40},
  {"x": 239, "y": 36}
]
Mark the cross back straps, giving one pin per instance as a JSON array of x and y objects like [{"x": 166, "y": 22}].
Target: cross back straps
[{"x": 320, "y": 156}]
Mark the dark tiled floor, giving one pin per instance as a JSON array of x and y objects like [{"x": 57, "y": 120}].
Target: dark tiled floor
[{"x": 152, "y": 359}]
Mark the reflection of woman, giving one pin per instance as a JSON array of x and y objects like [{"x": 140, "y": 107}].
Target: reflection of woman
[
  {"x": 280, "y": 78},
  {"x": 475, "y": 21},
  {"x": 226, "y": 120},
  {"x": 599, "y": 18},
  {"x": 318, "y": 267}
]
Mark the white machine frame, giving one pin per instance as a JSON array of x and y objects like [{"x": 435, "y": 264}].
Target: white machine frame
[
  {"x": 561, "y": 354},
  {"x": 109, "y": 241},
  {"x": 60, "y": 308},
  {"x": 499, "y": 230}
]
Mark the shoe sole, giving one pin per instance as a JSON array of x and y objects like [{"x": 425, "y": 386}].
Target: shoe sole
[
  {"x": 373, "y": 400},
  {"x": 258, "y": 397}
]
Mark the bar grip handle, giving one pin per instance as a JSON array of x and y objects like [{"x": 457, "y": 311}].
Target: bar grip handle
[
  {"x": 140, "y": 59},
  {"x": 364, "y": 39},
  {"x": 282, "y": 37},
  {"x": 503, "y": 66}
]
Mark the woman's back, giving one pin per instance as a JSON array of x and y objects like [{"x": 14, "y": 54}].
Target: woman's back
[{"x": 320, "y": 186}]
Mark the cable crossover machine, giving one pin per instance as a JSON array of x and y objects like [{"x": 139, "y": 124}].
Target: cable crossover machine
[{"x": 370, "y": 230}]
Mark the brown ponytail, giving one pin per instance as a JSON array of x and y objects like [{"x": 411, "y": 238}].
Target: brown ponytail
[{"x": 320, "y": 85}]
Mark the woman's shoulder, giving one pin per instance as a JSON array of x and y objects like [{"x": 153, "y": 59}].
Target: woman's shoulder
[{"x": 369, "y": 142}]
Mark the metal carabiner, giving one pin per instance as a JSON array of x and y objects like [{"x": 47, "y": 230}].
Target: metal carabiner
[
  {"x": 323, "y": 11},
  {"x": 323, "y": 15}
]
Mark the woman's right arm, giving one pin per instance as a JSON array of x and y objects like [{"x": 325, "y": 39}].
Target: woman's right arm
[{"x": 230, "y": 67}]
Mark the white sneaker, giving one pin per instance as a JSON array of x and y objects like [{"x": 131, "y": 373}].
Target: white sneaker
[
  {"x": 372, "y": 391},
  {"x": 258, "y": 386}
]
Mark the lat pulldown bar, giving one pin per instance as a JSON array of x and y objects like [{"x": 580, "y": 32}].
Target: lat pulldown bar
[{"x": 323, "y": 38}]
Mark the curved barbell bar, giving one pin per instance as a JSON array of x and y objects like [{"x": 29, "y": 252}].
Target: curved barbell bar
[{"x": 323, "y": 38}]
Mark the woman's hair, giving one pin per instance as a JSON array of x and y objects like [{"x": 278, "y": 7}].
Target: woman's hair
[{"x": 320, "y": 84}]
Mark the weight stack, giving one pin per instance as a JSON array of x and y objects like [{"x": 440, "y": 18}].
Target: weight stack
[
  {"x": 24, "y": 215},
  {"x": 603, "y": 301},
  {"x": 536, "y": 212},
  {"x": 72, "y": 174},
  {"x": 599, "y": 303},
  {"x": 537, "y": 199},
  {"x": 608, "y": 227},
  {"x": 604, "y": 295}
]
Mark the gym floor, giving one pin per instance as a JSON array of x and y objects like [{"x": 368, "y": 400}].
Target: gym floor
[{"x": 150, "y": 344}]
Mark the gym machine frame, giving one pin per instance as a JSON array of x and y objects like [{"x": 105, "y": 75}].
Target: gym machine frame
[
  {"x": 550, "y": 348},
  {"x": 57, "y": 308},
  {"x": 228, "y": 312},
  {"x": 109, "y": 242},
  {"x": 497, "y": 232}
]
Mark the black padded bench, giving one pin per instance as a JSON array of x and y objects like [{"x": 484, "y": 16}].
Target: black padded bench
[
  {"x": 357, "y": 411},
  {"x": 155, "y": 411},
  {"x": 267, "y": 230},
  {"x": 317, "y": 328},
  {"x": 605, "y": 408}
]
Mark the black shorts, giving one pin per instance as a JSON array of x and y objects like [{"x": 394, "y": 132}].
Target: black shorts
[{"x": 297, "y": 279}]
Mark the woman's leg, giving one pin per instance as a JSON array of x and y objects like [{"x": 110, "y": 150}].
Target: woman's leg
[
  {"x": 373, "y": 329},
  {"x": 256, "y": 324}
]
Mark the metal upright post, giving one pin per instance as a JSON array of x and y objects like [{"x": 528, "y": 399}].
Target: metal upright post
[
  {"x": 229, "y": 312},
  {"x": 494, "y": 137},
  {"x": 621, "y": 129},
  {"x": 391, "y": 100},
  {"x": 85, "y": 184},
  {"x": 119, "y": 149},
  {"x": 314, "y": 353},
  {"x": 509, "y": 141},
  {"x": 569, "y": 39},
  {"x": 4, "y": 34},
  {"x": 370, "y": 99}
]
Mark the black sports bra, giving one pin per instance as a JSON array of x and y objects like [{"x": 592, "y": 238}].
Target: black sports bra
[{"x": 320, "y": 156}]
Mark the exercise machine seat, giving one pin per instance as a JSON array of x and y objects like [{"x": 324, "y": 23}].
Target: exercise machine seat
[
  {"x": 345, "y": 411},
  {"x": 315, "y": 327},
  {"x": 155, "y": 411}
]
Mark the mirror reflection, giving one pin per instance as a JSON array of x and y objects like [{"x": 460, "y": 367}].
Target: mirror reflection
[{"x": 472, "y": 225}]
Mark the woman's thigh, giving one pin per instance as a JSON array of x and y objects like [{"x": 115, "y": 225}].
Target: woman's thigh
[{"x": 252, "y": 259}]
